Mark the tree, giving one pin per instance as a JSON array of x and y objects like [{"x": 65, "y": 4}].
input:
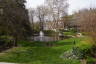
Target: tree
[
  {"x": 57, "y": 9},
  {"x": 41, "y": 15},
  {"x": 86, "y": 22},
  {"x": 15, "y": 19},
  {"x": 68, "y": 21},
  {"x": 31, "y": 18}
]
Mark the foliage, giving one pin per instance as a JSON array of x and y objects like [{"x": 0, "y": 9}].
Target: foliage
[
  {"x": 87, "y": 21},
  {"x": 49, "y": 32},
  {"x": 91, "y": 60},
  {"x": 70, "y": 31},
  {"x": 6, "y": 38},
  {"x": 6, "y": 42},
  {"x": 14, "y": 20},
  {"x": 82, "y": 49}
]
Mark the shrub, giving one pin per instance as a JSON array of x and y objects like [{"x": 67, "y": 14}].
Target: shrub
[
  {"x": 82, "y": 49},
  {"x": 6, "y": 42},
  {"x": 49, "y": 32},
  {"x": 91, "y": 60}
]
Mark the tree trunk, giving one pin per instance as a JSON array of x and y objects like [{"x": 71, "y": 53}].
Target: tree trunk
[{"x": 15, "y": 42}]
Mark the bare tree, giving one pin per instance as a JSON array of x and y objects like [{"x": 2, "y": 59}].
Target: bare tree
[
  {"x": 57, "y": 9},
  {"x": 41, "y": 15},
  {"x": 87, "y": 21},
  {"x": 31, "y": 17}
]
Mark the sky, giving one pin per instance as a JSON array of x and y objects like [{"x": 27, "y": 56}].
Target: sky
[
  {"x": 34, "y": 3},
  {"x": 74, "y": 5}
]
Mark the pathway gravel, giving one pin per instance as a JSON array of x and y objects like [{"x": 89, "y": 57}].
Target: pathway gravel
[{"x": 6, "y": 63}]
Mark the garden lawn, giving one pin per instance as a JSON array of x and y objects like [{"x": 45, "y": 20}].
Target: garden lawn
[
  {"x": 40, "y": 54},
  {"x": 69, "y": 33}
]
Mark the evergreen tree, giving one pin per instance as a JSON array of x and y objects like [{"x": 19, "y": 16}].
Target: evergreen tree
[{"x": 14, "y": 19}]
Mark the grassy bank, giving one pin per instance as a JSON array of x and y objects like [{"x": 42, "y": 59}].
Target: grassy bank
[{"x": 36, "y": 53}]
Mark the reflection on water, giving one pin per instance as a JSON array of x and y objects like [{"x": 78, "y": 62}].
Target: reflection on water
[
  {"x": 49, "y": 38},
  {"x": 43, "y": 37}
]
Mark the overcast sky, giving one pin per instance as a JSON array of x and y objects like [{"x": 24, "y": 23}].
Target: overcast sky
[{"x": 75, "y": 5}]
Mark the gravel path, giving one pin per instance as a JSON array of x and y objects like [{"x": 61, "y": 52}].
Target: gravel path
[{"x": 6, "y": 63}]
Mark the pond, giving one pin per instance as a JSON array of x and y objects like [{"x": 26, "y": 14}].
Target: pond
[{"x": 46, "y": 38}]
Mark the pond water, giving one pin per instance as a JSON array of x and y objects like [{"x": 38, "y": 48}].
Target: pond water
[{"x": 42, "y": 37}]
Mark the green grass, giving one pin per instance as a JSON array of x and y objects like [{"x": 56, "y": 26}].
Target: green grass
[
  {"x": 69, "y": 33},
  {"x": 36, "y": 55},
  {"x": 39, "y": 53},
  {"x": 69, "y": 41}
]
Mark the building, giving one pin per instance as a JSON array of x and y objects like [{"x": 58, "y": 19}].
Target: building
[{"x": 52, "y": 25}]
